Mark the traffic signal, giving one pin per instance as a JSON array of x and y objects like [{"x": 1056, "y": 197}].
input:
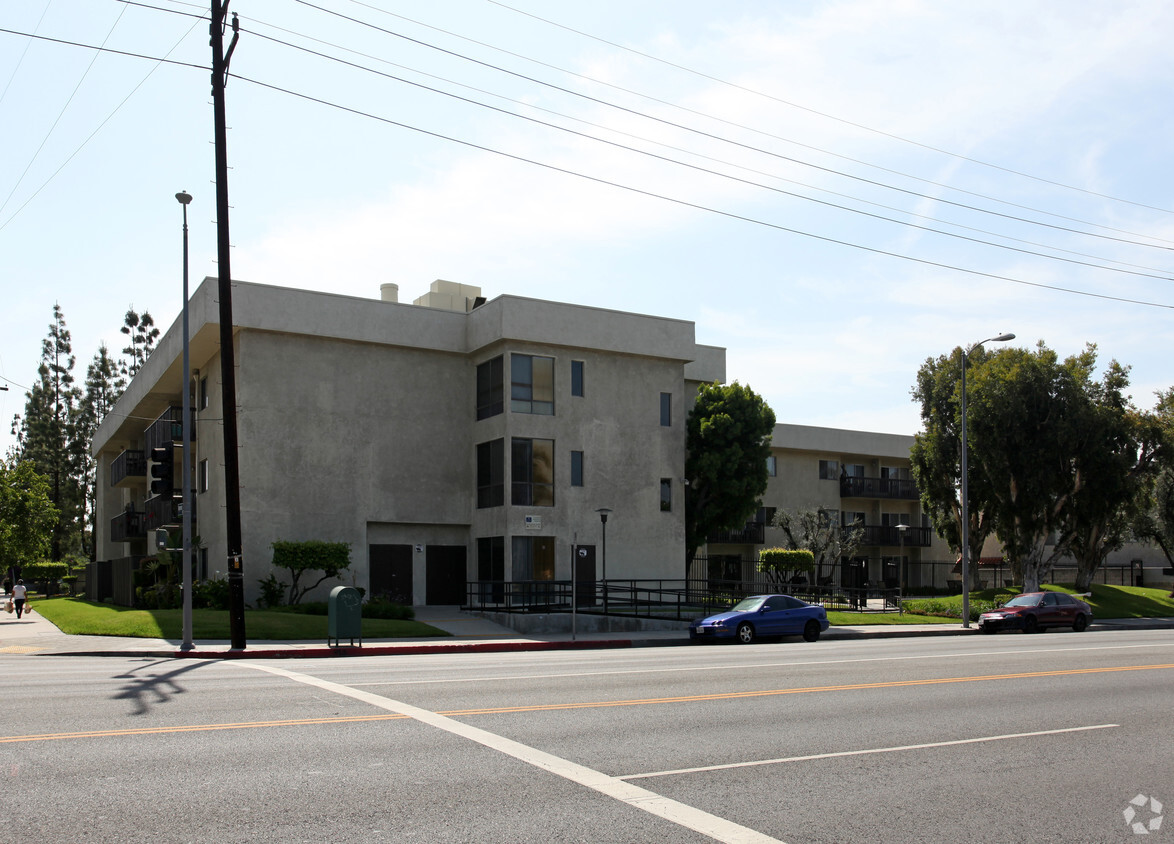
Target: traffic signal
[{"x": 163, "y": 470}]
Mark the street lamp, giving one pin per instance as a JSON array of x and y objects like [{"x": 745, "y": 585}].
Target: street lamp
[
  {"x": 901, "y": 528},
  {"x": 965, "y": 491},
  {"x": 603, "y": 511},
  {"x": 184, "y": 198}
]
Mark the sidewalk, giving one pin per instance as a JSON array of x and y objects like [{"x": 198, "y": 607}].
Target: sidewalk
[{"x": 33, "y": 634}]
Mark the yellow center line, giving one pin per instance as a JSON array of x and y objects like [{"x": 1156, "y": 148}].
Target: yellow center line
[{"x": 550, "y": 707}]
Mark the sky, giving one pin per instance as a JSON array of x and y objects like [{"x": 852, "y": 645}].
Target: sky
[{"x": 834, "y": 192}]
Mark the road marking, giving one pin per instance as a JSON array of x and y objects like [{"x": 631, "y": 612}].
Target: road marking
[
  {"x": 681, "y": 814},
  {"x": 197, "y": 728},
  {"x": 838, "y": 754},
  {"x": 752, "y": 666}
]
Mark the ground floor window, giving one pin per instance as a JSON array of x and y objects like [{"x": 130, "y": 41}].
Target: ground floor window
[{"x": 533, "y": 558}]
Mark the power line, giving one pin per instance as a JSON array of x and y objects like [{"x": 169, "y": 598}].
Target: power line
[
  {"x": 694, "y": 205},
  {"x": 709, "y": 171},
  {"x": 831, "y": 116}
]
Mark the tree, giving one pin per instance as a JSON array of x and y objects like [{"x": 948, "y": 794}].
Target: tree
[
  {"x": 104, "y": 384},
  {"x": 47, "y": 435},
  {"x": 142, "y": 333},
  {"x": 813, "y": 531},
  {"x": 727, "y": 441},
  {"x": 27, "y": 516},
  {"x": 297, "y": 558},
  {"x": 936, "y": 456}
]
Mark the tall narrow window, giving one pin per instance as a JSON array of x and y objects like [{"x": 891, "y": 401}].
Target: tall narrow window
[
  {"x": 490, "y": 388},
  {"x": 204, "y": 393},
  {"x": 772, "y": 466},
  {"x": 202, "y": 481},
  {"x": 532, "y": 472},
  {"x": 490, "y": 474},
  {"x": 577, "y": 378},
  {"x": 666, "y": 409},
  {"x": 532, "y": 384},
  {"x": 666, "y": 494},
  {"x": 576, "y": 468}
]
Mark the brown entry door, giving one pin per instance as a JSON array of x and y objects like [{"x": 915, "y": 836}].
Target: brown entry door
[
  {"x": 391, "y": 572},
  {"x": 446, "y": 574}
]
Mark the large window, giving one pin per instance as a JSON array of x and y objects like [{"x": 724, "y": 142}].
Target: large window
[
  {"x": 533, "y": 558},
  {"x": 829, "y": 470},
  {"x": 491, "y": 474},
  {"x": 490, "y": 388},
  {"x": 532, "y": 384},
  {"x": 532, "y": 472}
]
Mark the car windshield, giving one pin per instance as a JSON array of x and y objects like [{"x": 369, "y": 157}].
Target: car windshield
[
  {"x": 1023, "y": 601},
  {"x": 748, "y": 605}
]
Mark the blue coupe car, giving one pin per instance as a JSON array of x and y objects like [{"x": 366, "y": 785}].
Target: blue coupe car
[{"x": 763, "y": 615}]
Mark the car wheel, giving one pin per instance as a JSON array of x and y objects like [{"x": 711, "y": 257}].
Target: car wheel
[
  {"x": 1080, "y": 624},
  {"x": 745, "y": 633},
  {"x": 1031, "y": 624},
  {"x": 811, "y": 631}
]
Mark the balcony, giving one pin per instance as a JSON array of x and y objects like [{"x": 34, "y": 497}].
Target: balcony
[
  {"x": 127, "y": 468},
  {"x": 168, "y": 428},
  {"x": 886, "y": 536},
  {"x": 898, "y": 488},
  {"x": 754, "y": 533},
  {"x": 127, "y": 526}
]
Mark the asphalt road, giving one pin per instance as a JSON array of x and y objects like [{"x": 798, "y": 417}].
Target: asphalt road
[{"x": 994, "y": 738}]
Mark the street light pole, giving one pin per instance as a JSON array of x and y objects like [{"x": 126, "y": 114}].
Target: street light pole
[
  {"x": 603, "y": 511},
  {"x": 901, "y": 528},
  {"x": 965, "y": 490},
  {"x": 184, "y": 198}
]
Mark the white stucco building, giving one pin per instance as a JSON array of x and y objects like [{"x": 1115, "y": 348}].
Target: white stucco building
[{"x": 450, "y": 440}]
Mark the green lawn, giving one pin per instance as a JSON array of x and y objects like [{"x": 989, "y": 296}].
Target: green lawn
[
  {"x": 1106, "y": 602},
  {"x": 78, "y": 617}
]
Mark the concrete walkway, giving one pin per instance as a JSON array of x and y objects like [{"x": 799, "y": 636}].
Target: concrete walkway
[{"x": 33, "y": 634}]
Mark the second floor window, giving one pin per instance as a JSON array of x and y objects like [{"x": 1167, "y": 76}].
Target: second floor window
[
  {"x": 532, "y": 384},
  {"x": 577, "y": 378},
  {"x": 490, "y": 389},
  {"x": 532, "y": 472},
  {"x": 829, "y": 470},
  {"x": 491, "y": 474},
  {"x": 666, "y": 409}
]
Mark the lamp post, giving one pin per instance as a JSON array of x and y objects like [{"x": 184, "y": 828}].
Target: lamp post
[
  {"x": 184, "y": 198},
  {"x": 965, "y": 490},
  {"x": 901, "y": 528},
  {"x": 603, "y": 511}
]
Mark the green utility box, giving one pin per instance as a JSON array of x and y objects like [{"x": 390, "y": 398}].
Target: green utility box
[{"x": 344, "y": 616}]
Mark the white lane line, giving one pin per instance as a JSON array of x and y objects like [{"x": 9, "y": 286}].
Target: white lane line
[
  {"x": 755, "y": 666},
  {"x": 842, "y": 753},
  {"x": 681, "y": 814}
]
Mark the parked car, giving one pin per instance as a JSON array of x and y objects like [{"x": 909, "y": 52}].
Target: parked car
[
  {"x": 1032, "y": 612},
  {"x": 763, "y": 615}
]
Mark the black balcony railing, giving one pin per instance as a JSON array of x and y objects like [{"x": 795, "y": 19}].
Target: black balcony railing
[
  {"x": 127, "y": 526},
  {"x": 915, "y": 537},
  {"x": 753, "y": 533},
  {"x": 127, "y": 467},
  {"x": 168, "y": 428},
  {"x": 899, "y": 488}
]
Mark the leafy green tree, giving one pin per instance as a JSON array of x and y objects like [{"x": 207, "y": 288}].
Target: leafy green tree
[
  {"x": 298, "y": 558},
  {"x": 727, "y": 441},
  {"x": 936, "y": 456},
  {"x": 813, "y": 531},
  {"x": 141, "y": 330},
  {"x": 27, "y": 516},
  {"x": 781, "y": 562},
  {"x": 47, "y": 435}
]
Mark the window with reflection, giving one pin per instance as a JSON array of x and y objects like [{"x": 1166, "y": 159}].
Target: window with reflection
[
  {"x": 532, "y": 472},
  {"x": 532, "y": 384}
]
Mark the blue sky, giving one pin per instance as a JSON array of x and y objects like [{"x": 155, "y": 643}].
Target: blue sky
[{"x": 1036, "y": 133}]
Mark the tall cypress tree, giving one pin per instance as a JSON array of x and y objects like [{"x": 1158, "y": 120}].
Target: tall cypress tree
[{"x": 104, "y": 384}]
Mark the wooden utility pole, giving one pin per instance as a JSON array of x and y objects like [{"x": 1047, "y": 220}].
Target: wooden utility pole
[{"x": 232, "y": 497}]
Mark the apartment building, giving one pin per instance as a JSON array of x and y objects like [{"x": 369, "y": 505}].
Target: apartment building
[
  {"x": 450, "y": 440},
  {"x": 849, "y": 477}
]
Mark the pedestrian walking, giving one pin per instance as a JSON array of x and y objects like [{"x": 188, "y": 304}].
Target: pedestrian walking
[{"x": 19, "y": 596}]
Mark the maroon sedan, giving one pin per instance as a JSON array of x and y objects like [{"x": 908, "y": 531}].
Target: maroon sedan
[{"x": 1032, "y": 612}]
